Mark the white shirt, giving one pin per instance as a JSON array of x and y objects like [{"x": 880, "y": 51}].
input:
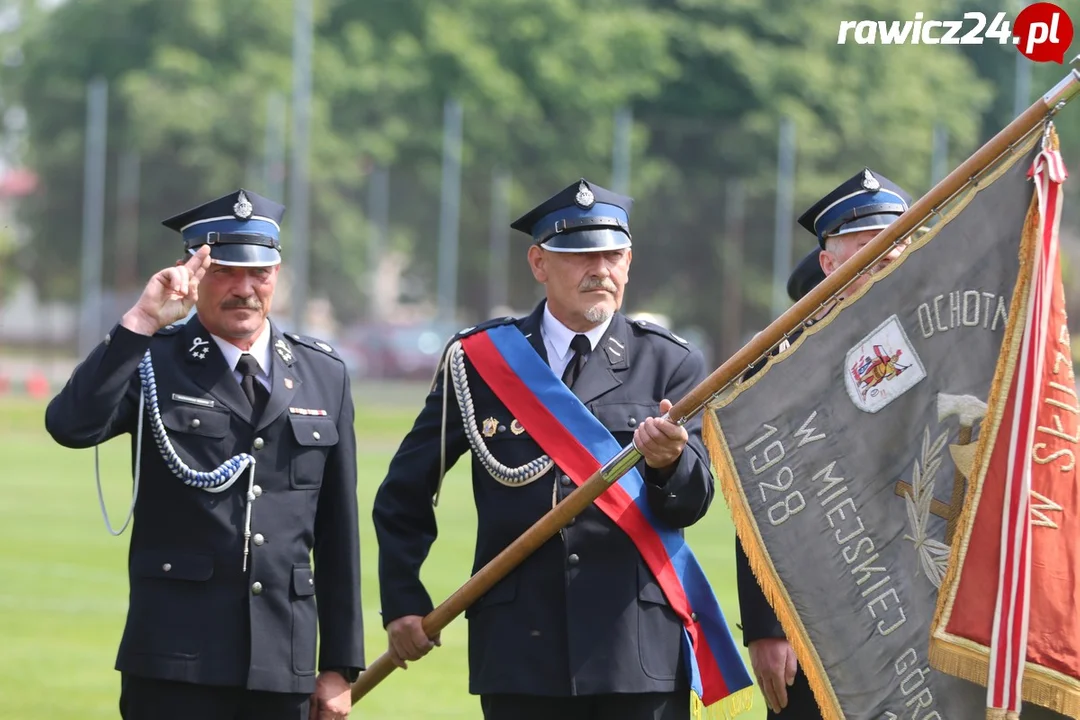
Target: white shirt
[
  {"x": 557, "y": 339},
  {"x": 260, "y": 350}
]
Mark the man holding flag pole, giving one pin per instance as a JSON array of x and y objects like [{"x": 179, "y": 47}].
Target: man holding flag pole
[
  {"x": 613, "y": 617},
  {"x": 978, "y": 202}
]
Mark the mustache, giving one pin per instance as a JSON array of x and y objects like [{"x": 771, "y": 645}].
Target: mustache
[
  {"x": 248, "y": 303},
  {"x": 595, "y": 283}
]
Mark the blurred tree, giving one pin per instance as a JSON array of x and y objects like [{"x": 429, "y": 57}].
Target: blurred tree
[
  {"x": 189, "y": 83},
  {"x": 539, "y": 83},
  {"x": 744, "y": 65}
]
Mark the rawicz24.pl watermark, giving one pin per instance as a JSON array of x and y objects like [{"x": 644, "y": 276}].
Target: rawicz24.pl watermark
[{"x": 1042, "y": 32}]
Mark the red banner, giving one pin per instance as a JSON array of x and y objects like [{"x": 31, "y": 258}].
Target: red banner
[{"x": 1007, "y": 613}]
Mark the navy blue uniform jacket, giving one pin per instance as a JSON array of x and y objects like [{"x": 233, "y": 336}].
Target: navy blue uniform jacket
[
  {"x": 194, "y": 615},
  {"x": 583, "y": 615}
]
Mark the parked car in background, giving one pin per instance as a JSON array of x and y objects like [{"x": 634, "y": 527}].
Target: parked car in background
[{"x": 397, "y": 351}]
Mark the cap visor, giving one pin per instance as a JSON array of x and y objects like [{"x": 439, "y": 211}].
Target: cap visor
[
  {"x": 870, "y": 222},
  {"x": 806, "y": 276},
  {"x": 243, "y": 255},
  {"x": 599, "y": 240}
]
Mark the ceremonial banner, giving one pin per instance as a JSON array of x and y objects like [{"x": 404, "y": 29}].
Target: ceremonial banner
[
  {"x": 837, "y": 458},
  {"x": 1024, "y": 640}
]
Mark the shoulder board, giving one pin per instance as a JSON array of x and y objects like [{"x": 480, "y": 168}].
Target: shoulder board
[
  {"x": 661, "y": 331},
  {"x": 315, "y": 344},
  {"x": 170, "y": 329},
  {"x": 486, "y": 325}
]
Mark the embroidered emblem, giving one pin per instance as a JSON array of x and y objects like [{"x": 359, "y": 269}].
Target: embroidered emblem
[
  {"x": 919, "y": 493},
  {"x": 199, "y": 348},
  {"x": 283, "y": 350},
  {"x": 242, "y": 209},
  {"x": 288, "y": 383},
  {"x": 584, "y": 198},
  {"x": 323, "y": 346},
  {"x": 202, "y": 402},
  {"x": 882, "y": 367},
  {"x": 516, "y": 428},
  {"x": 490, "y": 427},
  {"x": 306, "y": 411},
  {"x": 870, "y": 182}
]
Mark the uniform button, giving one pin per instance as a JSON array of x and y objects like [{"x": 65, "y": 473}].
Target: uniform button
[
  {"x": 259, "y": 539},
  {"x": 256, "y": 490},
  {"x": 564, "y": 480},
  {"x": 693, "y": 616},
  {"x": 256, "y": 588},
  {"x": 316, "y": 435},
  {"x": 311, "y": 581},
  {"x": 196, "y": 423},
  {"x": 167, "y": 567},
  {"x": 259, "y": 442},
  {"x": 572, "y": 521},
  {"x": 632, "y": 422},
  {"x": 573, "y": 559},
  {"x": 108, "y": 338}
]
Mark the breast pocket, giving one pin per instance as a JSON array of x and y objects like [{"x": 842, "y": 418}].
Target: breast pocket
[
  {"x": 315, "y": 437},
  {"x": 198, "y": 434},
  {"x": 623, "y": 418}
]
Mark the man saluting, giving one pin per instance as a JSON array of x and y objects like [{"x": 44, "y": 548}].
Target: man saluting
[{"x": 244, "y": 453}]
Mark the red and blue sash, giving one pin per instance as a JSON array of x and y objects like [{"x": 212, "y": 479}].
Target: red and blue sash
[{"x": 579, "y": 444}]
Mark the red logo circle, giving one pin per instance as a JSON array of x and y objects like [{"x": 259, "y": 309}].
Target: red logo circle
[{"x": 1043, "y": 32}]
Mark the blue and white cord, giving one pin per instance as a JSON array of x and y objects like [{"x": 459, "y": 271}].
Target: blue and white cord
[{"x": 215, "y": 481}]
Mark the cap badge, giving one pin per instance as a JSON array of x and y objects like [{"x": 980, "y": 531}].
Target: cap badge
[
  {"x": 869, "y": 182},
  {"x": 584, "y": 197},
  {"x": 242, "y": 209}
]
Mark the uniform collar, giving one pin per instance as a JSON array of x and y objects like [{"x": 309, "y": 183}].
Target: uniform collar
[
  {"x": 559, "y": 336},
  {"x": 260, "y": 350}
]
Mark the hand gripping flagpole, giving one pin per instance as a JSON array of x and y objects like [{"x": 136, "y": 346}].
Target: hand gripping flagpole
[{"x": 824, "y": 295}]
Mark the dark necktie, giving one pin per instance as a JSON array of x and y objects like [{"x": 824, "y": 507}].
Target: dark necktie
[
  {"x": 253, "y": 389},
  {"x": 581, "y": 347}
]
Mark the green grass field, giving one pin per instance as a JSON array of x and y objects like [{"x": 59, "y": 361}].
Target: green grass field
[{"x": 63, "y": 582}]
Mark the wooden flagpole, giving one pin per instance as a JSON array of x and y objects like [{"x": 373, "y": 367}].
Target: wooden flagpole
[{"x": 687, "y": 407}]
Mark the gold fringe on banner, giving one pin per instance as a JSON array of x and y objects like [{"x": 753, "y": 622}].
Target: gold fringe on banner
[
  {"x": 762, "y": 567},
  {"x": 959, "y": 656},
  {"x": 724, "y": 469}
]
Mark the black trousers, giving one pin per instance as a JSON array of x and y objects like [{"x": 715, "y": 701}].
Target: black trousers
[
  {"x": 149, "y": 699},
  {"x": 800, "y": 702},
  {"x": 645, "y": 706}
]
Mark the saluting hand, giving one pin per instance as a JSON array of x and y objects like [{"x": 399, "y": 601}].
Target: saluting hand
[
  {"x": 659, "y": 440},
  {"x": 169, "y": 295}
]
